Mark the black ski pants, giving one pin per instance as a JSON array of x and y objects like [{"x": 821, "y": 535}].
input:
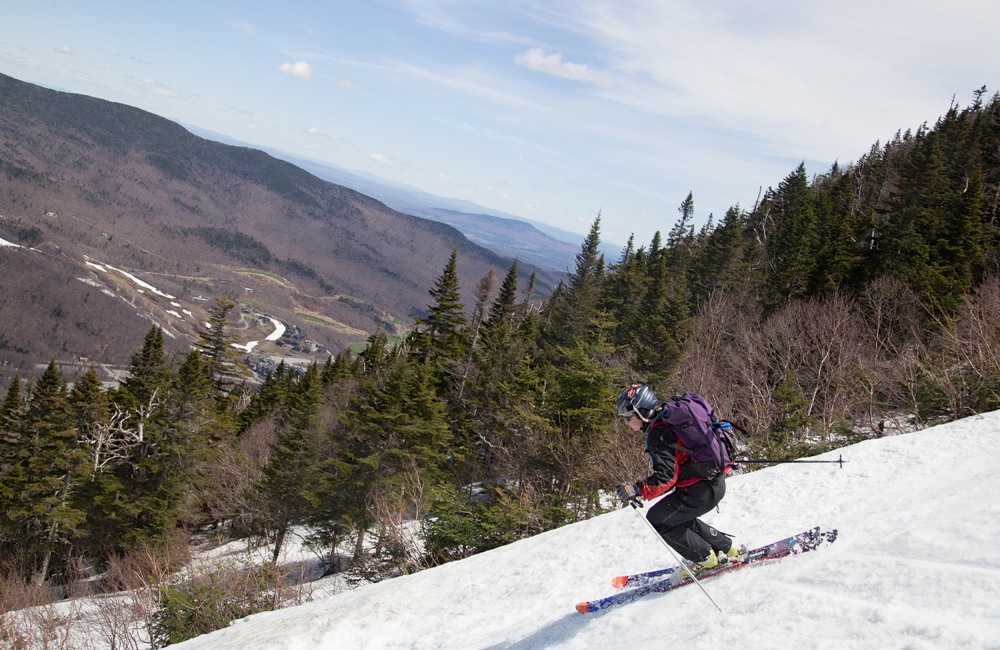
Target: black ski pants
[{"x": 675, "y": 517}]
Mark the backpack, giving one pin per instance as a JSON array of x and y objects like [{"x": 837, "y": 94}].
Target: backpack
[{"x": 691, "y": 418}]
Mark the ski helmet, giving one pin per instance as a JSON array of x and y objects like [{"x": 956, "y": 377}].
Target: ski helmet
[{"x": 637, "y": 399}]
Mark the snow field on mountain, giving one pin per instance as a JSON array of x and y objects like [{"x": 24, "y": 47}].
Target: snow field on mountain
[{"x": 914, "y": 567}]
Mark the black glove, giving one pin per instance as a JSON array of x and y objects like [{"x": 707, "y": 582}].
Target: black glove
[{"x": 630, "y": 494}]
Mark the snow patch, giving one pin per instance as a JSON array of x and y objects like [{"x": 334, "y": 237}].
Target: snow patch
[
  {"x": 279, "y": 331},
  {"x": 141, "y": 283},
  {"x": 909, "y": 569}
]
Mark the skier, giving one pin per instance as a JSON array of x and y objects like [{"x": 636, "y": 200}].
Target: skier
[{"x": 675, "y": 516}]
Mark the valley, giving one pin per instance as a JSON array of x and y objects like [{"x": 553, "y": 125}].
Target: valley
[{"x": 118, "y": 219}]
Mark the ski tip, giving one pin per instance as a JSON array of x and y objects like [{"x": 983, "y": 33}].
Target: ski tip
[
  {"x": 619, "y": 581},
  {"x": 583, "y": 608}
]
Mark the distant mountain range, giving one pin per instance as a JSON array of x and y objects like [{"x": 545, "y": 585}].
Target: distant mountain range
[
  {"x": 119, "y": 219},
  {"x": 531, "y": 241}
]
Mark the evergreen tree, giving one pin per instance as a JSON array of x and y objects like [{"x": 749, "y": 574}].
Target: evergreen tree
[
  {"x": 338, "y": 368},
  {"x": 404, "y": 422},
  {"x": 660, "y": 326},
  {"x": 89, "y": 403},
  {"x": 149, "y": 373},
  {"x": 624, "y": 291},
  {"x": 198, "y": 440},
  {"x": 290, "y": 473},
  {"x": 792, "y": 246},
  {"x": 504, "y": 308},
  {"x": 790, "y": 423},
  {"x": 442, "y": 327},
  {"x": 499, "y": 418},
  {"x": 11, "y": 412},
  {"x": 959, "y": 248},
  {"x": 721, "y": 261},
  {"x": 91, "y": 412},
  {"x": 463, "y": 367},
  {"x": 396, "y": 454},
  {"x": 133, "y": 504},
  {"x": 442, "y": 339},
  {"x": 377, "y": 356},
  {"x": 271, "y": 394},
  {"x": 11, "y": 472},
  {"x": 680, "y": 240},
  {"x": 837, "y": 254},
  {"x": 215, "y": 344},
  {"x": 51, "y": 466},
  {"x": 584, "y": 386},
  {"x": 920, "y": 226},
  {"x": 569, "y": 311}
]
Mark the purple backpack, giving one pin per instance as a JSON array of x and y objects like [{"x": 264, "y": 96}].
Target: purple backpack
[{"x": 691, "y": 417}]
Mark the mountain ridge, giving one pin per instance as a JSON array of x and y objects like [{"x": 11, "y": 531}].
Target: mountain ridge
[
  {"x": 541, "y": 244},
  {"x": 86, "y": 179}
]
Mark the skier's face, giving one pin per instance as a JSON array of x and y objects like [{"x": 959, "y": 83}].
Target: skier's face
[{"x": 633, "y": 422}]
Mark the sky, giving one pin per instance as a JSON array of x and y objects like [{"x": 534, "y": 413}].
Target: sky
[
  {"x": 550, "y": 110},
  {"x": 913, "y": 567}
]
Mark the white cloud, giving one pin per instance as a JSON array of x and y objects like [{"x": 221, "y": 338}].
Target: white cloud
[
  {"x": 467, "y": 81},
  {"x": 554, "y": 64},
  {"x": 499, "y": 193},
  {"x": 382, "y": 158},
  {"x": 779, "y": 71},
  {"x": 300, "y": 69},
  {"x": 157, "y": 88},
  {"x": 63, "y": 50}
]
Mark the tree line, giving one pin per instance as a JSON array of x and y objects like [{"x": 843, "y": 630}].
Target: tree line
[{"x": 859, "y": 302}]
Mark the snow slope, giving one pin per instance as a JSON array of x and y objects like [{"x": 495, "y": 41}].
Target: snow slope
[{"x": 915, "y": 566}]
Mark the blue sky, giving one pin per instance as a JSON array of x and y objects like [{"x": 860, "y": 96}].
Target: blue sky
[{"x": 551, "y": 110}]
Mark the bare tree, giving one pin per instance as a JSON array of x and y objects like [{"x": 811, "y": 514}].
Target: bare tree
[
  {"x": 977, "y": 341},
  {"x": 965, "y": 354},
  {"x": 714, "y": 363},
  {"x": 892, "y": 314},
  {"x": 738, "y": 359},
  {"x": 113, "y": 440},
  {"x": 126, "y": 615},
  {"x": 826, "y": 346},
  {"x": 394, "y": 507}
]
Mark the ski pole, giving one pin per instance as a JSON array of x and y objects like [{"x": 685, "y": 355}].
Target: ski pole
[
  {"x": 840, "y": 461},
  {"x": 636, "y": 506}
]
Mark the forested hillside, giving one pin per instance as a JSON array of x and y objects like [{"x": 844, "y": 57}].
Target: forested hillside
[
  {"x": 87, "y": 184},
  {"x": 859, "y": 302}
]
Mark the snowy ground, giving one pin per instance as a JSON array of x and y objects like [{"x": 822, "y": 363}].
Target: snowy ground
[
  {"x": 914, "y": 567},
  {"x": 101, "y": 267}
]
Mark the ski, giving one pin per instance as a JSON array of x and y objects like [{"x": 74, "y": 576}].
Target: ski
[
  {"x": 639, "y": 579},
  {"x": 807, "y": 538},
  {"x": 662, "y": 580}
]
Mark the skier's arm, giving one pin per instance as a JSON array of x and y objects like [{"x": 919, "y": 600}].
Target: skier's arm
[{"x": 660, "y": 447}]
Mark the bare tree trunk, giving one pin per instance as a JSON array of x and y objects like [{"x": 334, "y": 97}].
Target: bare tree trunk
[
  {"x": 279, "y": 539},
  {"x": 50, "y": 541},
  {"x": 359, "y": 544}
]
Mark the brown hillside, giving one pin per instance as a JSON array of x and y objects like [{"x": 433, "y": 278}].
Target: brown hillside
[{"x": 104, "y": 197}]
